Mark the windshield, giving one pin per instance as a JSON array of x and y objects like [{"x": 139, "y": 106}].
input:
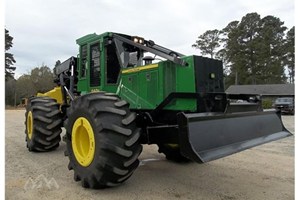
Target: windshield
[{"x": 135, "y": 51}]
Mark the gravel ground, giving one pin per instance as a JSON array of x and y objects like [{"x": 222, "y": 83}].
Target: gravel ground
[{"x": 264, "y": 172}]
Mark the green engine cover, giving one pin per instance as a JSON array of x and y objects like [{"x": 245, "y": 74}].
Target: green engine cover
[{"x": 147, "y": 86}]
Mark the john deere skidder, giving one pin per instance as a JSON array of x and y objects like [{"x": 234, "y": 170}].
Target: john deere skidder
[{"x": 123, "y": 91}]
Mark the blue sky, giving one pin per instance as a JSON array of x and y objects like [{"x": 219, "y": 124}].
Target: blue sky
[{"x": 45, "y": 31}]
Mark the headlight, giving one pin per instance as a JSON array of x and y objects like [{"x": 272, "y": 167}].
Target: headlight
[{"x": 138, "y": 40}]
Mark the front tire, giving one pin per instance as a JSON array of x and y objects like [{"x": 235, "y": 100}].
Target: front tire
[
  {"x": 42, "y": 124},
  {"x": 102, "y": 140}
]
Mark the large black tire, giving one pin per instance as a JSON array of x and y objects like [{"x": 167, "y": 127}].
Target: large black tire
[
  {"x": 43, "y": 123},
  {"x": 172, "y": 153},
  {"x": 115, "y": 138}
]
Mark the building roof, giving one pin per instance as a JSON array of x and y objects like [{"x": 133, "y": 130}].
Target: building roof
[{"x": 264, "y": 90}]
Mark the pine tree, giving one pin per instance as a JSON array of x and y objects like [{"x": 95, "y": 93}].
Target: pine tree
[
  {"x": 208, "y": 42},
  {"x": 253, "y": 50},
  {"x": 9, "y": 58},
  {"x": 290, "y": 53}
]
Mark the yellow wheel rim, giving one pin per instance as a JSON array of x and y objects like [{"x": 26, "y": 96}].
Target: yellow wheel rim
[
  {"x": 83, "y": 141},
  {"x": 29, "y": 124}
]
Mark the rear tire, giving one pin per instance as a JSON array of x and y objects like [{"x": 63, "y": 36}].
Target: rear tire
[
  {"x": 42, "y": 124},
  {"x": 112, "y": 156}
]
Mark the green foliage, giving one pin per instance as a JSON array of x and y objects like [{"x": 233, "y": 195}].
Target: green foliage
[
  {"x": 9, "y": 58},
  {"x": 290, "y": 53},
  {"x": 40, "y": 79},
  {"x": 10, "y": 91},
  {"x": 25, "y": 87},
  {"x": 267, "y": 103},
  {"x": 254, "y": 50},
  {"x": 208, "y": 42}
]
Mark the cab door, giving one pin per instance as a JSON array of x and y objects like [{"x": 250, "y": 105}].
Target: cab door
[{"x": 95, "y": 70}]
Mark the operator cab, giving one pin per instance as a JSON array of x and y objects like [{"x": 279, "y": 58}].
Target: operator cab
[{"x": 102, "y": 57}]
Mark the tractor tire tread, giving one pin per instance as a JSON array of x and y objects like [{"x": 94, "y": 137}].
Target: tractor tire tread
[
  {"x": 47, "y": 122},
  {"x": 117, "y": 148}
]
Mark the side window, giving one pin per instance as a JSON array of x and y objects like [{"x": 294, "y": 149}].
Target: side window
[
  {"x": 112, "y": 64},
  {"x": 95, "y": 65},
  {"x": 83, "y": 66}
]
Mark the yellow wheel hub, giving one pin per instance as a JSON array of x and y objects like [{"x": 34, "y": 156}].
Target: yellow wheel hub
[
  {"x": 83, "y": 141},
  {"x": 29, "y": 124}
]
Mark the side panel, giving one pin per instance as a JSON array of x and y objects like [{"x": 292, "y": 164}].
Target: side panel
[
  {"x": 209, "y": 75},
  {"x": 181, "y": 79},
  {"x": 140, "y": 87},
  {"x": 147, "y": 86}
]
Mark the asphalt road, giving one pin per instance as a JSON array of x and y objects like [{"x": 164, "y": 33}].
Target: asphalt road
[{"x": 264, "y": 172}]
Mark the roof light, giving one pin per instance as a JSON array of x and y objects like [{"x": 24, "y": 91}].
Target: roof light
[{"x": 138, "y": 40}]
